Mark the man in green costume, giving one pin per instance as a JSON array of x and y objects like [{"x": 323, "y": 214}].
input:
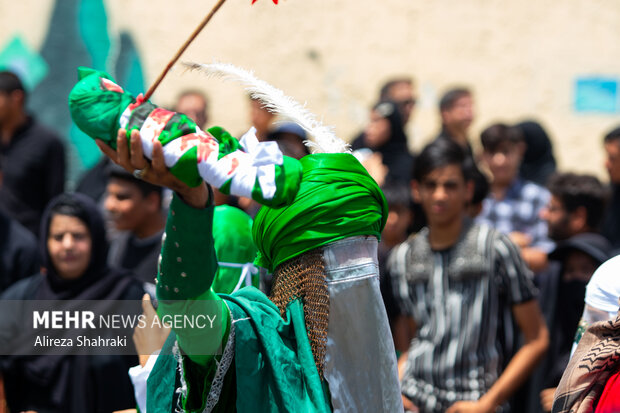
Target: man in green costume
[{"x": 321, "y": 341}]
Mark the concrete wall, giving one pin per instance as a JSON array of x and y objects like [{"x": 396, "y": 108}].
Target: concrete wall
[{"x": 521, "y": 59}]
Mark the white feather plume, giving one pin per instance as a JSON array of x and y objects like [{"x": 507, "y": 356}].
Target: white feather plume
[{"x": 274, "y": 100}]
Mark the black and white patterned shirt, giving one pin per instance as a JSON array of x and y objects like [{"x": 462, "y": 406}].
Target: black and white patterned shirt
[{"x": 461, "y": 300}]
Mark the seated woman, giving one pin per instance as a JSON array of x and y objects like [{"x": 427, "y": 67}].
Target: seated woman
[{"x": 74, "y": 245}]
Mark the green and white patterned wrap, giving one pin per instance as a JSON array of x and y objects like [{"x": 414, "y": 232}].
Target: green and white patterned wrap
[{"x": 257, "y": 170}]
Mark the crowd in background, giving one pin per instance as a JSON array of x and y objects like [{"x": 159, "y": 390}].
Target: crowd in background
[{"x": 551, "y": 230}]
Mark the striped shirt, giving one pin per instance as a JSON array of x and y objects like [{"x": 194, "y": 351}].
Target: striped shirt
[{"x": 461, "y": 300}]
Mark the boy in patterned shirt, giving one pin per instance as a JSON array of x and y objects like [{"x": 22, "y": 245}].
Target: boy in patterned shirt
[
  {"x": 513, "y": 205},
  {"x": 462, "y": 284}
]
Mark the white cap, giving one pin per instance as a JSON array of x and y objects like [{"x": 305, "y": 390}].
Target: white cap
[{"x": 603, "y": 290}]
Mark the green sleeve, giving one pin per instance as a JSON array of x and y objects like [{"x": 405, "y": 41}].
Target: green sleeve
[{"x": 186, "y": 270}]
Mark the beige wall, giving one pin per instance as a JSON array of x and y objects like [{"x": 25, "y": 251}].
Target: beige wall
[{"x": 520, "y": 58}]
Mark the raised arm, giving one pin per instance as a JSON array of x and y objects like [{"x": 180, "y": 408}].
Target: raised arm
[
  {"x": 186, "y": 271},
  {"x": 188, "y": 262}
]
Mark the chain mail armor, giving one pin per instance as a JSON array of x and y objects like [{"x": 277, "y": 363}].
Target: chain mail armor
[{"x": 304, "y": 277}]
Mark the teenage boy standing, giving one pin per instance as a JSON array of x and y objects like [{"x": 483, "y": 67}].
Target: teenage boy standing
[
  {"x": 462, "y": 284},
  {"x": 513, "y": 205}
]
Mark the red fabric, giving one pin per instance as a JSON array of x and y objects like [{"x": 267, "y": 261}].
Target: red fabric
[{"x": 610, "y": 399}]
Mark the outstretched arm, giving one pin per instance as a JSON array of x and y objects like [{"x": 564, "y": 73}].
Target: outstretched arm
[{"x": 188, "y": 263}]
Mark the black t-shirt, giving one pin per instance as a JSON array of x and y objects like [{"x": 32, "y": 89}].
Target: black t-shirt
[
  {"x": 139, "y": 256},
  {"x": 33, "y": 173},
  {"x": 19, "y": 255}
]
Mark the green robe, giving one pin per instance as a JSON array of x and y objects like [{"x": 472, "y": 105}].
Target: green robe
[{"x": 273, "y": 368}]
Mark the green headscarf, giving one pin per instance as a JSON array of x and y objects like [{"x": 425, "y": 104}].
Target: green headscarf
[{"x": 337, "y": 199}]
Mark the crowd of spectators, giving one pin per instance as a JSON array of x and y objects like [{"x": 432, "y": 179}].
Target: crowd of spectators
[
  {"x": 486, "y": 293},
  {"x": 484, "y": 259}
]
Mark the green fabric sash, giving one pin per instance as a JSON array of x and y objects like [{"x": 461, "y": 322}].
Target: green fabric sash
[
  {"x": 337, "y": 199},
  {"x": 274, "y": 364},
  {"x": 273, "y": 369}
]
